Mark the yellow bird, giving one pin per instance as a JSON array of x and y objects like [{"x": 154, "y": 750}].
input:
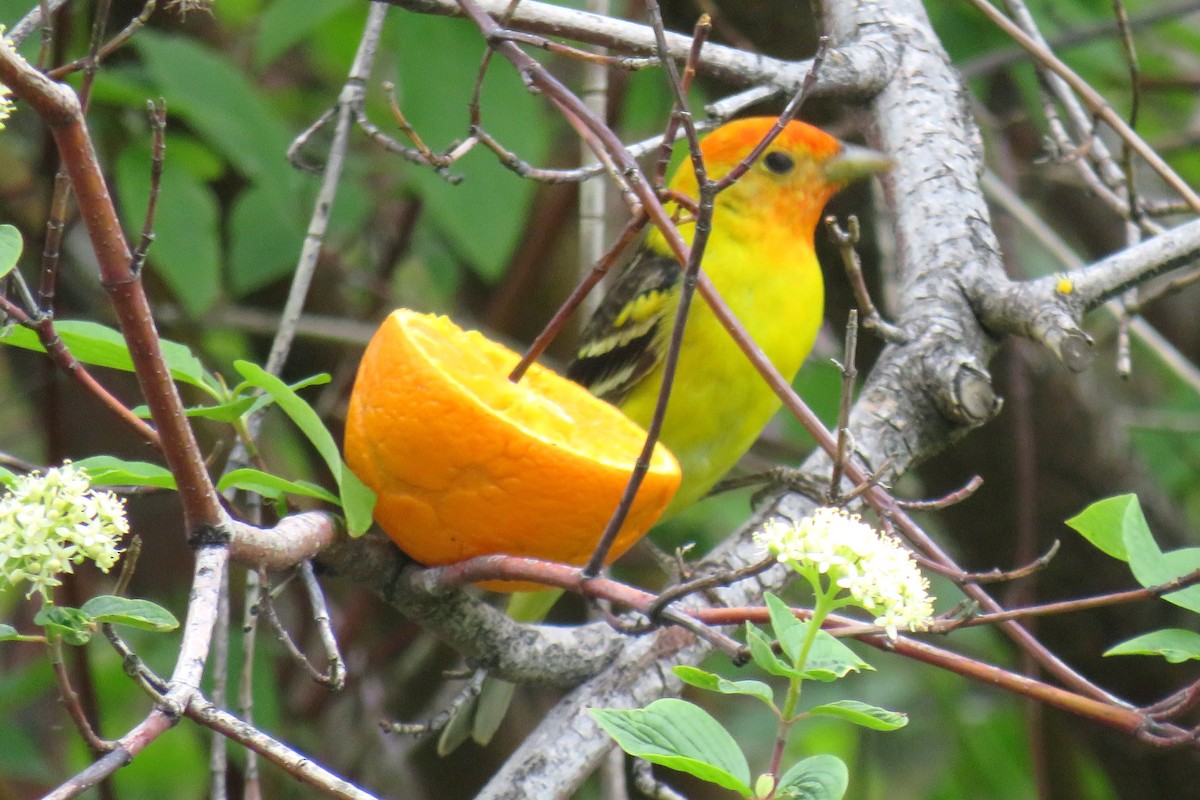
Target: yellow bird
[{"x": 761, "y": 259}]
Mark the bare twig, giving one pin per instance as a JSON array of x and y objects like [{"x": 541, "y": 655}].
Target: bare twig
[
  {"x": 158, "y": 124},
  {"x": 109, "y": 47},
  {"x": 266, "y": 608},
  {"x": 348, "y": 101},
  {"x": 70, "y": 701},
  {"x": 846, "y": 240},
  {"x": 651, "y": 787},
  {"x": 957, "y": 496},
  {"x": 441, "y": 719},
  {"x": 1096, "y": 102},
  {"x": 846, "y": 400},
  {"x": 57, "y": 350},
  {"x": 627, "y": 236},
  {"x": 593, "y": 195},
  {"x": 678, "y": 592}
]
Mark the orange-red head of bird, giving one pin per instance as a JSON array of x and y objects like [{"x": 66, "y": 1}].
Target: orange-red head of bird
[{"x": 791, "y": 180}]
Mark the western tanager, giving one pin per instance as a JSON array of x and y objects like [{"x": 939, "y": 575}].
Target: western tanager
[{"x": 761, "y": 259}]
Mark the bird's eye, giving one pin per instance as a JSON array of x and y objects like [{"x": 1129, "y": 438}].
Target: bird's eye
[{"x": 779, "y": 163}]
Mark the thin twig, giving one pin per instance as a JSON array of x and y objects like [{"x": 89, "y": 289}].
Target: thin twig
[
  {"x": 700, "y": 34},
  {"x": 628, "y": 235},
  {"x": 266, "y": 608},
  {"x": 1002, "y": 576},
  {"x": 316, "y": 599},
  {"x": 1096, "y": 102},
  {"x": 593, "y": 195},
  {"x": 62, "y": 357},
  {"x": 109, "y": 47},
  {"x": 599, "y": 59},
  {"x": 158, "y": 125},
  {"x": 849, "y": 384},
  {"x": 847, "y": 239},
  {"x": 1072, "y": 606},
  {"x": 1174, "y": 286},
  {"x": 218, "y": 755},
  {"x": 714, "y": 581},
  {"x": 253, "y": 596},
  {"x": 440, "y": 720},
  {"x": 701, "y": 231},
  {"x": 946, "y": 500},
  {"x": 350, "y": 98},
  {"x": 70, "y": 701}
]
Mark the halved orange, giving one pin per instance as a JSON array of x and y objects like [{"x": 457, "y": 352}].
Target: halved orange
[{"x": 467, "y": 463}]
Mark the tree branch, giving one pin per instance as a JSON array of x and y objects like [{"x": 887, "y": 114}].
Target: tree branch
[
  {"x": 856, "y": 71},
  {"x": 542, "y": 654}
]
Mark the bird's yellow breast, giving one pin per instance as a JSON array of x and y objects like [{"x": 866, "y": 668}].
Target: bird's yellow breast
[{"x": 719, "y": 403}]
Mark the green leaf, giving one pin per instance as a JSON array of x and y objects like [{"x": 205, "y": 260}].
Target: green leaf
[
  {"x": 1174, "y": 644},
  {"x": 265, "y": 237},
  {"x": 285, "y": 22},
  {"x": 1103, "y": 523},
  {"x": 96, "y": 344},
  {"x": 228, "y": 412},
  {"x": 113, "y": 471},
  {"x": 72, "y": 624},
  {"x": 131, "y": 612},
  {"x": 272, "y": 486},
  {"x": 186, "y": 252},
  {"x": 495, "y": 697},
  {"x": 11, "y": 245},
  {"x": 864, "y": 714},
  {"x": 300, "y": 412},
  {"x": 682, "y": 736},
  {"x": 239, "y": 405},
  {"x": 263, "y": 400},
  {"x": 822, "y": 777},
  {"x": 8, "y": 632},
  {"x": 788, "y": 630},
  {"x": 829, "y": 659},
  {"x": 358, "y": 501},
  {"x": 715, "y": 683},
  {"x": 458, "y": 729},
  {"x": 764, "y": 656},
  {"x": 1152, "y": 568},
  {"x": 7, "y": 476}
]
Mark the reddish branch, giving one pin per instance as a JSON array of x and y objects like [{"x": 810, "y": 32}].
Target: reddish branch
[
  {"x": 1122, "y": 717},
  {"x": 59, "y": 108}
]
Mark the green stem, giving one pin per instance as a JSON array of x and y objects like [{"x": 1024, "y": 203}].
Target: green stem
[
  {"x": 54, "y": 645},
  {"x": 823, "y": 606}
]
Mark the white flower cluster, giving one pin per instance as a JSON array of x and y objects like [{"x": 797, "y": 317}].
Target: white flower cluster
[
  {"x": 6, "y": 104},
  {"x": 875, "y": 570},
  {"x": 53, "y": 521}
]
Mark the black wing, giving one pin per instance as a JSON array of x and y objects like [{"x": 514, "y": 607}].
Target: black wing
[{"x": 627, "y": 336}]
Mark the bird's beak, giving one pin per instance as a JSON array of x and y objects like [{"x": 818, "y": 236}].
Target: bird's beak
[{"x": 854, "y": 162}]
